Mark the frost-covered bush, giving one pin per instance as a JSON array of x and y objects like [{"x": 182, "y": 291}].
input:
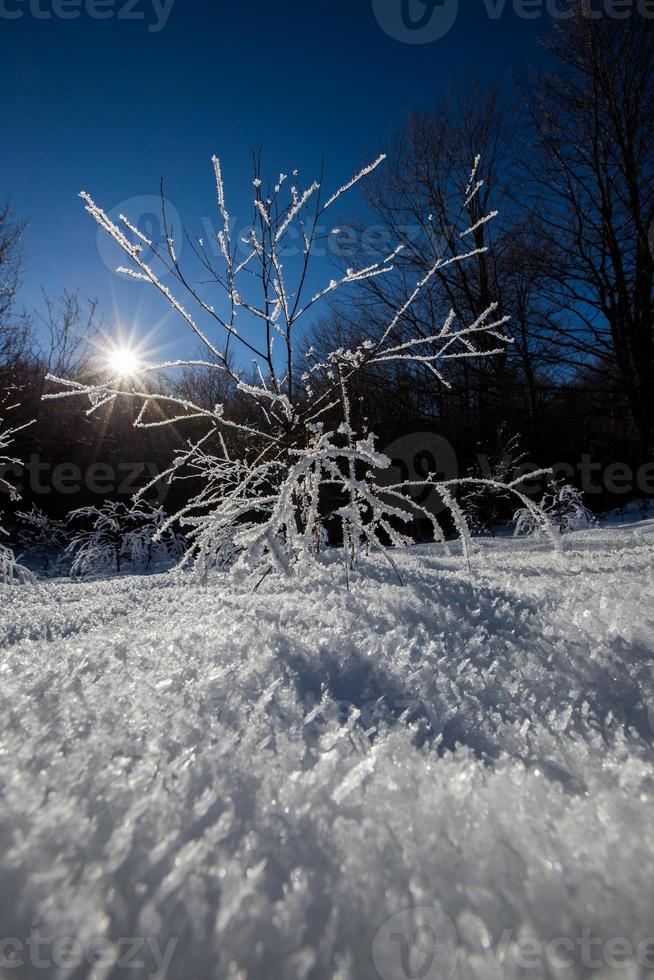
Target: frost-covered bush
[
  {"x": 98, "y": 545},
  {"x": 10, "y": 569},
  {"x": 152, "y": 540},
  {"x": 43, "y": 539},
  {"x": 564, "y": 508},
  {"x": 114, "y": 535},
  {"x": 487, "y": 506},
  {"x": 290, "y": 471}
]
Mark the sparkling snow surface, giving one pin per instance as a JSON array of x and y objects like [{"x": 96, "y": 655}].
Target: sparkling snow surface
[{"x": 269, "y": 778}]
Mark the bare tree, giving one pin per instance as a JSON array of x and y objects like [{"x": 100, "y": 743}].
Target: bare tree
[
  {"x": 420, "y": 199},
  {"x": 15, "y": 331},
  {"x": 71, "y": 332},
  {"x": 594, "y": 176},
  {"x": 11, "y": 232}
]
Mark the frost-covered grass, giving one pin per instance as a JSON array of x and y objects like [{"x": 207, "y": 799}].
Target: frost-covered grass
[{"x": 268, "y": 778}]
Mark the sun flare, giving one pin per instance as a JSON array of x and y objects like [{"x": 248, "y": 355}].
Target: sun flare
[{"x": 124, "y": 362}]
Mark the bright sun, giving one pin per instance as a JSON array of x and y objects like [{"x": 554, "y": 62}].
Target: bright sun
[{"x": 123, "y": 362}]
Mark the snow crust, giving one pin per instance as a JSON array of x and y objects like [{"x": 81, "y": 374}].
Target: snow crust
[{"x": 269, "y": 777}]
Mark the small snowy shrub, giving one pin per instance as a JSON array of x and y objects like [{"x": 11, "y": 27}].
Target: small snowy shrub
[
  {"x": 564, "y": 508},
  {"x": 114, "y": 535},
  {"x": 487, "y": 506},
  {"x": 149, "y": 543},
  {"x": 10, "y": 569},
  {"x": 269, "y": 503},
  {"x": 43, "y": 539}
]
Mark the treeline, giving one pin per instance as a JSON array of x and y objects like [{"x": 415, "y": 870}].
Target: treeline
[
  {"x": 568, "y": 161},
  {"x": 567, "y": 158}
]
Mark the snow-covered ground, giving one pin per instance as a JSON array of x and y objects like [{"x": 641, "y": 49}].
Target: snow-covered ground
[{"x": 259, "y": 785}]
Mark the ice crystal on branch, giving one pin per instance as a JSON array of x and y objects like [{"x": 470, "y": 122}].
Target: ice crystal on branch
[{"x": 289, "y": 484}]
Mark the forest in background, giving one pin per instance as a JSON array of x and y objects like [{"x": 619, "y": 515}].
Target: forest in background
[{"x": 568, "y": 162}]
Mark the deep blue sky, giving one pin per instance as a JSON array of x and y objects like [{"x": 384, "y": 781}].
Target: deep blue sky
[{"x": 109, "y": 106}]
